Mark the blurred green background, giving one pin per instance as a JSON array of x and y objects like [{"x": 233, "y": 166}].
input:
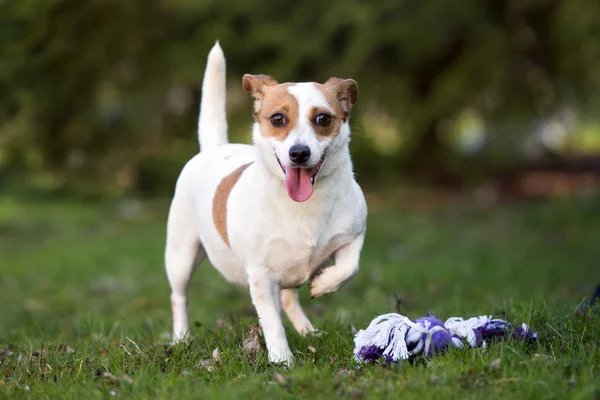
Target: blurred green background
[{"x": 101, "y": 96}]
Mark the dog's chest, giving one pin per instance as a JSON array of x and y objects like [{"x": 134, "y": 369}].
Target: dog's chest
[{"x": 295, "y": 258}]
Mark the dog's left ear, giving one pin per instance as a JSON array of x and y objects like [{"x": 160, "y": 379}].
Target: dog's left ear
[{"x": 347, "y": 92}]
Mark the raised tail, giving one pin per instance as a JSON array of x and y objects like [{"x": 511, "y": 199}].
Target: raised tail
[{"x": 212, "y": 123}]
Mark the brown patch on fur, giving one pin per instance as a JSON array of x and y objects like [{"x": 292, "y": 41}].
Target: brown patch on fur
[
  {"x": 220, "y": 201},
  {"x": 341, "y": 95},
  {"x": 333, "y": 129},
  {"x": 271, "y": 98},
  {"x": 278, "y": 100}
]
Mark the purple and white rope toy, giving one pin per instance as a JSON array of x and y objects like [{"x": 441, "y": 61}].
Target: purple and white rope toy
[{"x": 395, "y": 337}]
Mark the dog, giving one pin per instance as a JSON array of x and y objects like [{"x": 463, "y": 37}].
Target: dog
[{"x": 274, "y": 214}]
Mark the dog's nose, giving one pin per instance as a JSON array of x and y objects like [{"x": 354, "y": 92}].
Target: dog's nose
[{"x": 299, "y": 153}]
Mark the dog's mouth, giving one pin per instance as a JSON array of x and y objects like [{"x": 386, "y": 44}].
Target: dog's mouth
[{"x": 300, "y": 181}]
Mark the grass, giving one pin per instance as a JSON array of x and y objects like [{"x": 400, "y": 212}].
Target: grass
[{"x": 84, "y": 305}]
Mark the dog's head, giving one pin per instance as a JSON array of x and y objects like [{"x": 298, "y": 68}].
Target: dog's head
[{"x": 299, "y": 126}]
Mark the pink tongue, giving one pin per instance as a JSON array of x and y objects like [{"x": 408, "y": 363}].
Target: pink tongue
[{"x": 297, "y": 183}]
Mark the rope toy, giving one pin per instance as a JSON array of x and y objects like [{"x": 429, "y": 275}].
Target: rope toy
[{"x": 395, "y": 337}]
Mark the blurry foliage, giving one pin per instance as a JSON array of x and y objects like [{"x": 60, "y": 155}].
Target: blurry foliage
[{"x": 103, "y": 93}]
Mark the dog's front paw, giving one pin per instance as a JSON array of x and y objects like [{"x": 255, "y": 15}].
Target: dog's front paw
[
  {"x": 180, "y": 337},
  {"x": 281, "y": 356},
  {"x": 324, "y": 283}
]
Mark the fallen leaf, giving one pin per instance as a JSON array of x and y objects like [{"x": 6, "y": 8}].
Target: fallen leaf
[
  {"x": 207, "y": 364},
  {"x": 64, "y": 349},
  {"x": 110, "y": 377},
  {"x": 252, "y": 343},
  {"x": 5, "y": 354},
  {"x": 216, "y": 355},
  {"x": 280, "y": 379}
]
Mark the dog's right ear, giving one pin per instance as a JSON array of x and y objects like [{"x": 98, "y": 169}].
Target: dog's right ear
[
  {"x": 256, "y": 84},
  {"x": 347, "y": 92}
]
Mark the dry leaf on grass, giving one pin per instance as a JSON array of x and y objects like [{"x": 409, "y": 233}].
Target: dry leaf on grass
[
  {"x": 216, "y": 355},
  {"x": 281, "y": 380},
  {"x": 5, "y": 354},
  {"x": 252, "y": 343},
  {"x": 110, "y": 377},
  {"x": 207, "y": 364},
  {"x": 64, "y": 349}
]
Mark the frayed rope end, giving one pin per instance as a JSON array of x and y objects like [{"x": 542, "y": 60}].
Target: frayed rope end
[{"x": 394, "y": 337}]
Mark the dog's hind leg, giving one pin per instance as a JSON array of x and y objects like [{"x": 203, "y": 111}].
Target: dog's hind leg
[
  {"x": 183, "y": 253},
  {"x": 291, "y": 305}
]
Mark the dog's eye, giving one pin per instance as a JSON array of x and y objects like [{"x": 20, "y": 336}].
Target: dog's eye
[
  {"x": 278, "y": 120},
  {"x": 323, "y": 119}
]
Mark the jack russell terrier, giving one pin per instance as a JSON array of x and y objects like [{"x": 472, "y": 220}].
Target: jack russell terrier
[{"x": 272, "y": 215}]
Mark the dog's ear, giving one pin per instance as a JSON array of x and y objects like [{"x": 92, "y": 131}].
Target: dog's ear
[
  {"x": 256, "y": 84},
  {"x": 347, "y": 92}
]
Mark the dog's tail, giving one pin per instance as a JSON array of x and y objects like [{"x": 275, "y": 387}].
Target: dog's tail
[{"x": 212, "y": 123}]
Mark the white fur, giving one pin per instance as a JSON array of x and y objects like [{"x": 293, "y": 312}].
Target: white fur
[
  {"x": 308, "y": 96},
  {"x": 276, "y": 244},
  {"x": 212, "y": 124}
]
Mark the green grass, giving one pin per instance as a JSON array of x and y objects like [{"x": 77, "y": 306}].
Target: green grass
[{"x": 81, "y": 274}]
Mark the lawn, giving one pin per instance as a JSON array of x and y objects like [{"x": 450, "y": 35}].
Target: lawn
[{"x": 85, "y": 307}]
